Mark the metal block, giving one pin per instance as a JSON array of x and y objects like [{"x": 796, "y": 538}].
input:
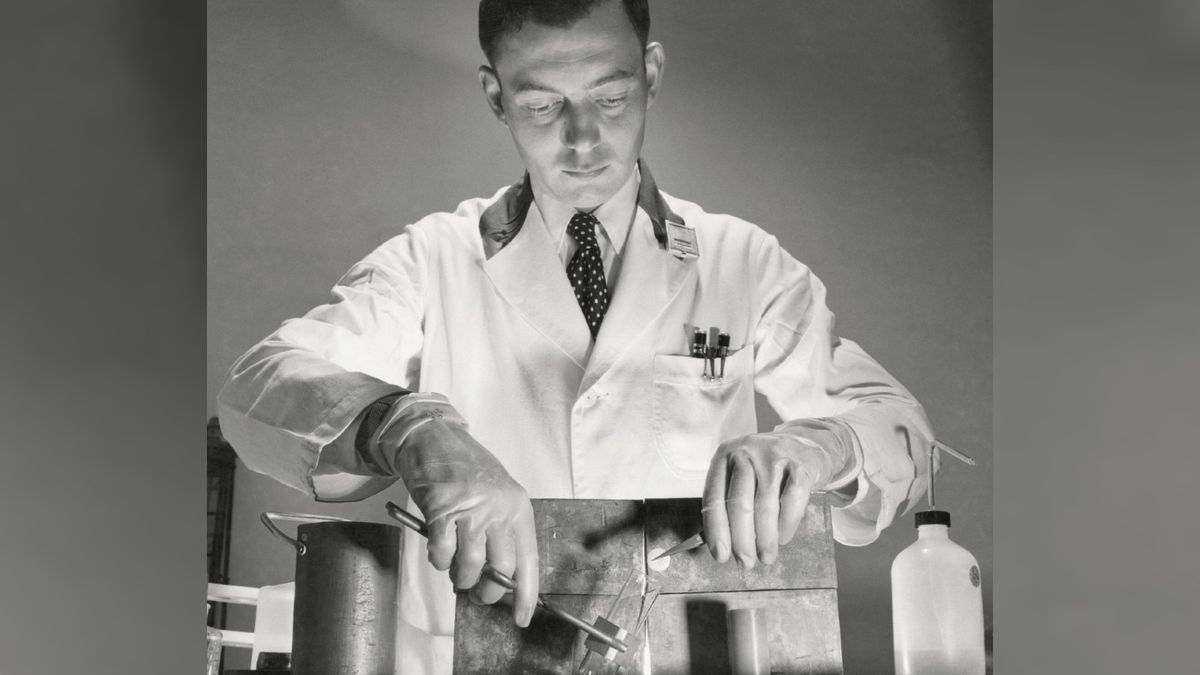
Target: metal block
[
  {"x": 487, "y": 640},
  {"x": 688, "y": 633},
  {"x": 589, "y": 546},
  {"x": 806, "y": 562}
]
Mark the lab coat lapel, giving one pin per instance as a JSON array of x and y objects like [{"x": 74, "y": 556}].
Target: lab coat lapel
[
  {"x": 523, "y": 264},
  {"x": 651, "y": 276}
]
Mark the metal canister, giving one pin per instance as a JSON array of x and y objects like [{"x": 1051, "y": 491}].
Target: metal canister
[
  {"x": 346, "y": 578},
  {"x": 749, "y": 641}
]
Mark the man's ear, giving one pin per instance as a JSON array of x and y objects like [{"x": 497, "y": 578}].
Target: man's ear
[
  {"x": 491, "y": 91},
  {"x": 654, "y": 64}
]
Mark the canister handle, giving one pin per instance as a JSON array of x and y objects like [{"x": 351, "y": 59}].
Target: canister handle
[{"x": 268, "y": 519}]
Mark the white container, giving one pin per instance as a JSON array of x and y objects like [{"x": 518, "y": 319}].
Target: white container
[{"x": 937, "y": 604}]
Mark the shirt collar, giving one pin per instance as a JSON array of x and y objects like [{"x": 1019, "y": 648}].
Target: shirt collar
[{"x": 615, "y": 215}]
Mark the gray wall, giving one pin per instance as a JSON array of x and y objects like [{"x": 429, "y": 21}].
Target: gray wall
[{"x": 859, "y": 133}]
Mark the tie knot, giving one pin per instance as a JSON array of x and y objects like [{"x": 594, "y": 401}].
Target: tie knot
[{"x": 582, "y": 228}]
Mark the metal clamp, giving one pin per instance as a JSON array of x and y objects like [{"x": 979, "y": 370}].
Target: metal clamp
[{"x": 268, "y": 519}]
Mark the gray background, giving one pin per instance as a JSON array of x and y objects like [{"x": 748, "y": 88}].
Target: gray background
[{"x": 857, "y": 133}]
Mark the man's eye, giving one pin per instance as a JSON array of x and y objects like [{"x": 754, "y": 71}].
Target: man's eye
[
  {"x": 541, "y": 108},
  {"x": 611, "y": 101}
]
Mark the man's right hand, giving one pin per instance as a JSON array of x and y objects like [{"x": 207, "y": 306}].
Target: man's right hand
[{"x": 475, "y": 512}]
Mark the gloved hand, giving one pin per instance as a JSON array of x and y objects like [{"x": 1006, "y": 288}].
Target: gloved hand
[
  {"x": 758, "y": 487},
  {"x": 474, "y": 510}
]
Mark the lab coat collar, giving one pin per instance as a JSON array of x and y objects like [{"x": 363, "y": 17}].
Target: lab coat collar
[
  {"x": 523, "y": 269},
  {"x": 615, "y": 215},
  {"x": 500, "y": 222},
  {"x": 651, "y": 201}
]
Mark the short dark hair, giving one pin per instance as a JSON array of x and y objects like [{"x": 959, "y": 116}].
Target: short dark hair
[{"x": 498, "y": 18}]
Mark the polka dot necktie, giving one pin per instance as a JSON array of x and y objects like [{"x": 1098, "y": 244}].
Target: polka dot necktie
[{"x": 586, "y": 271}]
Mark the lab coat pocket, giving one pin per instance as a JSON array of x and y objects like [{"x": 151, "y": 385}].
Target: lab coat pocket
[{"x": 692, "y": 415}]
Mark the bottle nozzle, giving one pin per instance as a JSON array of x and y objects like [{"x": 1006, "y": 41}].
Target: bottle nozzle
[
  {"x": 932, "y": 453},
  {"x": 938, "y": 445}
]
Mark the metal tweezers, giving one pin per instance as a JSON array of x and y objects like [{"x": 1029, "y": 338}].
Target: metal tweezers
[{"x": 414, "y": 523}]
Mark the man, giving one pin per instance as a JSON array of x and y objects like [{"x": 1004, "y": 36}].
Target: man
[{"x": 537, "y": 344}]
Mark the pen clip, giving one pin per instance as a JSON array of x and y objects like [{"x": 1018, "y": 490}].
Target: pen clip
[{"x": 700, "y": 349}]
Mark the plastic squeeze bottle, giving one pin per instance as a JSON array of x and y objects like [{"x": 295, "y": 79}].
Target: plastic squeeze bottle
[{"x": 937, "y": 604}]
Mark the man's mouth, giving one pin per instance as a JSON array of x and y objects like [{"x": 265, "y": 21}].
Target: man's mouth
[{"x": 585, "y": 173}]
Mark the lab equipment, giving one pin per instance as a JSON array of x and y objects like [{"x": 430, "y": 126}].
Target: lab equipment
[
  {"x": 273, "y": 605},
  {"x": 345, "y": 608},
  {"x": 467, "y": 496},
  {"x": 962, "y": 457},
  {"x": 749, "y": 648},
  {"x": 214, "y": 646},
  {"x": 694, "y": 541},
  {"x": 700, "y": 349},
  {"x": 937, "y": 604},
  {"x": 587, "y": 550},
  {"x": 600, "y": 656},
  {"x": 710, "y": 353},
  {"x": 722, "y": 351},
  {"x": 689, "y": 629},
  {"x": 418, "y": 525},
  {"x": 591, "y": 549}
]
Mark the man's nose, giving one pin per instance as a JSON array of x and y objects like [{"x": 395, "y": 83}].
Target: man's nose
[{"x": 582, "y": 128}]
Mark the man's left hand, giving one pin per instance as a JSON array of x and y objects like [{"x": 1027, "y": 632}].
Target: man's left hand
[{"x": 756, "y": 493}]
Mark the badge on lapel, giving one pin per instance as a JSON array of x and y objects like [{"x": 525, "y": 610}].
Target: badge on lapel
[{"x": 681, "y": 240}]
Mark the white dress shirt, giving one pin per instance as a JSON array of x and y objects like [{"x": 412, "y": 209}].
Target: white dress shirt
[{"x": 615, "y": 216}]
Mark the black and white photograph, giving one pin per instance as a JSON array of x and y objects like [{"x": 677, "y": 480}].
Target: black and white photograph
[{"x": 599, "y": 336}]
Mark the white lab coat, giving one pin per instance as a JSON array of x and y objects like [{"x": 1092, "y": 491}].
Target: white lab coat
[{"x": 492, "y": 323}]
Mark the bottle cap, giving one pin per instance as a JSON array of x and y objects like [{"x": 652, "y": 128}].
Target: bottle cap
[{"x": 933, "y": 518}]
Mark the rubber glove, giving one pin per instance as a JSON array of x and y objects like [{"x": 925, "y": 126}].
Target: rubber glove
[
  {"x": 474, "y": 510},
  {"x": 758, "y": 487}
]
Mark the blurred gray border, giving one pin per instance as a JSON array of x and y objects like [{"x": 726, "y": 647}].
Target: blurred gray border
[{"x": 1096, "y": 212}]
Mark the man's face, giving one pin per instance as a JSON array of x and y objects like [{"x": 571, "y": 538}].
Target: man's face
[{"x": 575, "y": 100}]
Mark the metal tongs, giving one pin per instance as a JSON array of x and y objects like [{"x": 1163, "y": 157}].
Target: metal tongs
[
  {"x": 604, "y": 632},
  {"x": 605, "y": 623}
]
